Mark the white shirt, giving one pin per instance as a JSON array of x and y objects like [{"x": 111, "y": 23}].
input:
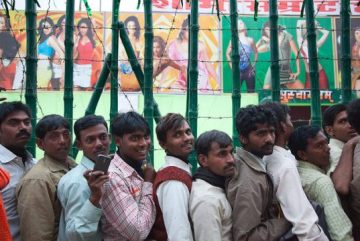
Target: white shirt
[
  {"x": 210, "y": 212},
  {"x": 281, "y": 167},
  {"x": 173, "y": 197},
  {"x": 16, "y": 169},
  {"x": 336, "y": 147}
]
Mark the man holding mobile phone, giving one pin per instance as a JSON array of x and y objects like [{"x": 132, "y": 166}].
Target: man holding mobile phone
[
  {"x": 79, "y": 191},
  {"x": 129, "y": 210}
]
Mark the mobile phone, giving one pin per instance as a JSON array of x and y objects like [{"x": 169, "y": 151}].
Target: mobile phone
[{"x": 102, "y": 163}]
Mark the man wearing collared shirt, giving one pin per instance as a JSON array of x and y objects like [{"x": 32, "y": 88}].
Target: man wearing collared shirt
[
  {"x": 15, "y": 132},
  {"x": 281, "y": 167},
  {"x": 172, "y": 184},
  {"x": 79, "y": 191},
  {"x": 129, "y": 210},
  {"x": 343, "y": 140},
  {"x": 38, "y": 206},
  {"x": 310, "y": 147},
  {"x": 250, "y": 190},
  {"x": 210, "y": 211}
]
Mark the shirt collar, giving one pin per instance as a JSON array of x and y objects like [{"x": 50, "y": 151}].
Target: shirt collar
[
  {"x": 7, "y": 156},
  {"x": 308, "y": 165},
  {"x": 56, "y": 166},
  {"x": 174, "y": 161},
  {"x": 336, "y": 142},
  {"x": 252, "y": 160},
  {"x": 87, "y": 163},
  {"x": 123, "y": 166}
]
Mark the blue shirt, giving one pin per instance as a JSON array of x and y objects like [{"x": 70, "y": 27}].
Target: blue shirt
[{"x": 79, "y": 217}]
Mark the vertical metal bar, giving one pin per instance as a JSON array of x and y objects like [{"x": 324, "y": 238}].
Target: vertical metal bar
[
  {"x": 114, "y": 64},
  {"x": 69, "y": 64},
  {"x": 193, "y": 74},
  {"x": 136, "y": 67},
  {"x": 31, "y": 67},
  {"x": 187, "y": 72},
  {"x": 274, "y": 51},
  {"x": 235, "y": 61},
  {"x": 148, "y": 70},
  {"x": 346, "y": 52},
  {"x": 313, "y": 64}
]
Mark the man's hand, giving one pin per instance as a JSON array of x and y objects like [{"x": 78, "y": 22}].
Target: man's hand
[
  {"x": 95, "y": 180},
  {"x": 149, "y": 173},
  {"x": 353, "y": 141}
]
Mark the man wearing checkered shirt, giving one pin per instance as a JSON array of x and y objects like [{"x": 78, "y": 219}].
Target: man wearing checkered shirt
[{"x": 128, "y": 207}]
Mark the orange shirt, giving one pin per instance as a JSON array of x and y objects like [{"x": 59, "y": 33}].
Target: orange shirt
[{"x": 4, "y": 227}]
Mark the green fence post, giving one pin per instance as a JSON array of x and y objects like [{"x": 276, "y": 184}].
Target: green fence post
[
  {"x": 136, "y": 67},
  {"x": 31, "y": 68},
  {"x": 313, "y": 64},
  {"x": 346, "y": 52},
  {"x": 274, "y": 50},
  {"x": 193, "y": 74},
  {"x": 69, "y": 64},
  {"x": 148, "y": 70},
  {"x": 114, "y": 64},
  {"x": 235, "y": 60}
]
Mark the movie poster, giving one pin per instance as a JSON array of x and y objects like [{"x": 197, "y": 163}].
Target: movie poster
[
  {"x": 254, "y": 48},
  {"x": 170, "y": 52}
]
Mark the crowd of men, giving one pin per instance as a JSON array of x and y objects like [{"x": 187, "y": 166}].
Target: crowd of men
[{"x": 281, "y": 184}]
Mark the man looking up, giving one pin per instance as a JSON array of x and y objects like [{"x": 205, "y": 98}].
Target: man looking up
[
  {"x": 210, "y": 210},
  {"x": 79, "y": 190},
  {"x": 15, "y": 132},
  {"x": 172, "y": 184},
  {"x": 281, "y": 167},
  {"x": 38, "y": 206},
  {"x": 310, "y": 147},
  {"x": 250, "y": 190},
  {"x": 129, "y": 210}
]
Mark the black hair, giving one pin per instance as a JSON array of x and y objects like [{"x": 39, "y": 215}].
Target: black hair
[
  {"x": 129, "y": 122},
  {"x": 89, "y": 32},
  {"x": 205, "y": 140},
  {"x": 42, "y": 36},
  {"x": 161, "y": 42},
  {"x": 50, "y": 123},
  {"x": 353, "y": 111},
  {"x": 7, "y": 108},
  {"x": 247, "y": 119},
  {"x": 59, "y": 25},
  {"x": 137, "y": 25},
  {"x": 280, "y": 111},
  {"x": 298, "y": 140},
  {"x": 330, "y": 114},
  {"x": 87, "y": 122},
  {"x": 171, "y": 121}
]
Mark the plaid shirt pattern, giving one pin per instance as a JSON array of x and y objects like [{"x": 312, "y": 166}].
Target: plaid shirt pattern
[
  {"x": 127, "y": 203},
  {"x": 319, "y": 188}
]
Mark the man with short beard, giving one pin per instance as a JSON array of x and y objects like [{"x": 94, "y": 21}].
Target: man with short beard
[{"x": 15, "y": 132}]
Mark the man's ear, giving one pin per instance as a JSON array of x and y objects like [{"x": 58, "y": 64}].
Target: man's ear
[
  {"x": 78, "y": 144},
  {"x": 243, "y": 139},
  {"x": 283, "y": 126},
  {"x": 302, "y": 155},
  {"x": 40, "y": 143},
  {"x": 329, "y": 130},
  {"x": 163, "y": 145},
  {"x": 118, "y": 141},
  {"x": 202, "y": 160}
]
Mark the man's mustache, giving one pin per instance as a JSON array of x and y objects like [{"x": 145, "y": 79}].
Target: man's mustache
[{"x": 23, "y": 133}]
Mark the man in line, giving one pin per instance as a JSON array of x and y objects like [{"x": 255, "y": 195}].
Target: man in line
[
  {"x": 250, "y": 190},
  {"x": 353, "y": 111},
  {"x": 343, "y": 140},
  {"x": 129, "y": 210},
  {"x": 210, "y": 210},
  {"x": 281, "y": 167},
  {"x": 310, "y": 147},
  {"x": 38, "y": 206},
  {"x": 15, "y": 132},
  {"x": 172, "y": 184},
  {"x": 79, "y": 190}
]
